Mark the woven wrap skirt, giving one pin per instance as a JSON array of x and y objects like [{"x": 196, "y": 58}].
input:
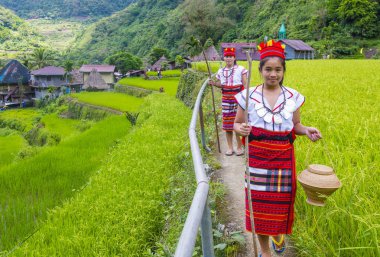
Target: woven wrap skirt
[
  {"x": 272, "y": 182},
  {"x": 229, "y": 105}
]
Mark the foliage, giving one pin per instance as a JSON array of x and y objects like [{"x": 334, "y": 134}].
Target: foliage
[
  {"x": 10, "y": 144},
  {"x": 143, "y": 27},
  {"x": 41, "y": 57},
  {"x": 16, "y": 34},
  {"x": 68, "y": 8},
  {"x": 124, "y": 62},
  {"x": 157, "y": 53},
  {"x": 189, "y": 86},
  {"x": 132, "y": 117}
]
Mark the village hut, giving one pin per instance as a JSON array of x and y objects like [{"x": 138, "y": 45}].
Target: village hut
[
  {"x": 95, "y": 82},
  {"x": 211, "y": 55},
  {"x": 160, "y": 64},
  {"x": 12, "y": 76},
  {"x": 105, "y": 71}
]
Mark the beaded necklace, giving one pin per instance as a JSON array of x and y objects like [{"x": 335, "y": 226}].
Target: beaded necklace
[{"x": 228, "y": 75}]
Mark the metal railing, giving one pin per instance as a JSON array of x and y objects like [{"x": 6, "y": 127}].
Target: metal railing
[{"x": 199, "y": 214}]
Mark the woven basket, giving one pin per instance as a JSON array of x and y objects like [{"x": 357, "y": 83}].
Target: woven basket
[{"x": 319, "y": 182}]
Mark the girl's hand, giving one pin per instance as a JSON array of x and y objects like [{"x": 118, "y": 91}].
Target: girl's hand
[
  {"x": 313, "y": 134},
  {"x": 243, "y": 129},
  {"x": 211, "y": 82}
]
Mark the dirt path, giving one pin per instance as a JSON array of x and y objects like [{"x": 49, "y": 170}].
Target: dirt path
[{"x": 232, "y": 175}]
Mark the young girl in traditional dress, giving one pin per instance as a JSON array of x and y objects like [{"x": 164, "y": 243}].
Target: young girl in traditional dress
[
  {"x": 273, "y": 122},
  {"x": 231, "y": 79}
]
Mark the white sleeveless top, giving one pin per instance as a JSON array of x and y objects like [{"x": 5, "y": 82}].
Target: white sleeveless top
[
  {"x": 288, "y": 102},
  {"x": 231, "y": 77}
]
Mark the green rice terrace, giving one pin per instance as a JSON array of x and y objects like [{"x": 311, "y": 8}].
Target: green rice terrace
[{"x": 76, "y": 180}]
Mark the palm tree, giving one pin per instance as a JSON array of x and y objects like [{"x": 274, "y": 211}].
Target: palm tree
[
  {"x": 41, "y": 57},
  {"x": 68, "y": 66}
]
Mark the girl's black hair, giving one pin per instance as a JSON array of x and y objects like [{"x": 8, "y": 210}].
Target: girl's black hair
[{"x": 263, "y": 61}]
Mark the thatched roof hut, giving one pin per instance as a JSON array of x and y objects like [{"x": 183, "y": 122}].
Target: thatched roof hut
[
  {"x": 211, "y": 55},
  {"x": 95, "y": 81},
  {"x": 14, "y": 72}
]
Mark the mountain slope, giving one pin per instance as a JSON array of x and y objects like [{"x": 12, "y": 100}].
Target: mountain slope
[
  {"x": 333, "y": 27},
  {"x": 15, "y": 33}
]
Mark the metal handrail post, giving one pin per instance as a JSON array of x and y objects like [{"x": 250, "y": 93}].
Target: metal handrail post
[
  {"x": 201, "y": 123},
  {"x": 206, "y": 232}
]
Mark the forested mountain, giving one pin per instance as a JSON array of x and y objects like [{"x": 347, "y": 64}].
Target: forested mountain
[
  {"x": 15, "y": 33},
  {"x": 335, "y": 27},
  {"x": 64, "y": 8}
]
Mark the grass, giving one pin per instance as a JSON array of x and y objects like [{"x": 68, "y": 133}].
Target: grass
[
  {"x": 10, "y": 144},
  {"x": 63, "y": 127},
  {"x": 116, "y": 101},
  {"x": 166, "y": 73},
  {"x": 25, "y": 117},
  {"x": 122, "y": 211},
  {"x": 169, "y": 84},
  {"x": 29, "y": 188}
]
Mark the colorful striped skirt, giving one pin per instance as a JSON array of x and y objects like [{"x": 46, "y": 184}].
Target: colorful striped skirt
[
  {"x": 272, "y": 182},
  {"x": 229, "y": 105}
]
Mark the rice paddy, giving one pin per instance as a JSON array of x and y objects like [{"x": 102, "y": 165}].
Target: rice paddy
[
  {"x": 116, "y": 101},
  {"x": 169, "y": 84}
]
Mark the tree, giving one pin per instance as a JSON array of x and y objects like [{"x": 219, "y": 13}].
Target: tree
[
  {"x": 179, "y": 61},
  {"x": 361, "y": 16},
  {"x": 41, "y": 57},
  {"x": 124, "y": 61},
  {"x": 157, "y": 53},
  {"x": 68, "y": 66}
]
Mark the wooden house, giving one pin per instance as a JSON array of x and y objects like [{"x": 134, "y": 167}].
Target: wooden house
[
  {"x": 106, "y": 72},
  {"x": 48, "y": 81},
  {"x": 14, "y": 83},
  {"x": 241, "y": 49},
  {"x": 297, "y": 49}
]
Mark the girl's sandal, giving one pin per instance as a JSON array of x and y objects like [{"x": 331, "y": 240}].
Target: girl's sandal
[
  {"x": 229, "y": 152},
  {"x": 239, "y": 152},
  {"x": 279, "y": 247}
]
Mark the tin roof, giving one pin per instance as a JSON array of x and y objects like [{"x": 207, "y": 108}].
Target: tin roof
[
  {"x": 296, "y": 44},
  {"x": 49, "y": 71},
  {"x": 98, "y": 68}
]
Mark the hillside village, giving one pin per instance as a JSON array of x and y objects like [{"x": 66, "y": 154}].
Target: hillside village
[{"x": 20, "y": 86}]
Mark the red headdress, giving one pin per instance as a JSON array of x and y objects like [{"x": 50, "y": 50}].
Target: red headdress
[
  {"x": 229, "y": 51},
  {"x": 271, "y": 48}
]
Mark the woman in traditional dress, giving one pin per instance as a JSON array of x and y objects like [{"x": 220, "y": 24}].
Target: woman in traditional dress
[
  {"x": 273, "y": 122},
  {"x": 231, "y": 79}
]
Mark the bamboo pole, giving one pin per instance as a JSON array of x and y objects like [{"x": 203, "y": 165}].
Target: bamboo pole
[
  {"x": 248, "y": 174},
  {"x": 213, "y": 102}
]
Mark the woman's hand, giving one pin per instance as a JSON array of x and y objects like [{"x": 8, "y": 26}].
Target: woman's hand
[
  {"x": 313, "y": 134},
  {"x": 242, "y": 129}
]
